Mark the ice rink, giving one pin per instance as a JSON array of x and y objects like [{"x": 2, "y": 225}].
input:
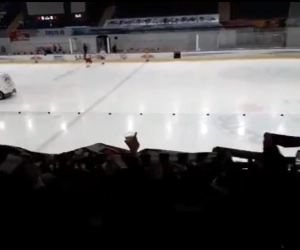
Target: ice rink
[{"x": 186, "y": 106}]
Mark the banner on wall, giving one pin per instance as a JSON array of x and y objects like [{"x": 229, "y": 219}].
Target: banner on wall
[
  {"x": 263, "y": 24},
  {"x": 18, "y": 35},
  {"x": 80, "y": 31},
  {"x": 59, "y": 58},
  {"x": 36, "y": 58},
  {"x": 147, "y": 56},
  {"x": 59, "y": 32},
  {"x": 199, "y": 20},
  {"x": 51, "y": 32}
]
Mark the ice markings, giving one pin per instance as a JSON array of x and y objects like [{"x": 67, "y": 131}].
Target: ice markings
[{"x": 70, "y": 72}]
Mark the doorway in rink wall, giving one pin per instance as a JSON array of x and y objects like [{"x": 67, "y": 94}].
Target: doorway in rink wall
[{"x": 103, "y": 43}]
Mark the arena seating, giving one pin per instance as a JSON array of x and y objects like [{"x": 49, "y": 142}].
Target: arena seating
[
  {"x": 259, "y": 10},
  {"x": 175, "y": 195},
  {"x": 146, "y": 9}
]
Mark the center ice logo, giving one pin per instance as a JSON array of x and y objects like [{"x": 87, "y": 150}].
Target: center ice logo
[
  {"x": 231, "y": 124},
  {"x": 259, "y": 123}
]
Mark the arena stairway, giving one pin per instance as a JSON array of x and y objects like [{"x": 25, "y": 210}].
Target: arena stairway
[
  {"x": 16, "y": 22},
  {"x": 108, "y": 14}
]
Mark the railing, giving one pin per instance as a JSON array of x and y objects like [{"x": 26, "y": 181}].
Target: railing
[
  {"x": 210, "y": 40},
  {"x": 260, "y": 39}
]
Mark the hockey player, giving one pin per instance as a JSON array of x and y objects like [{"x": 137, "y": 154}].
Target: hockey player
[
  {"x": 85, "y": 50},
  {"x": 88, "y": 61},
  {"x": 102, "y": 56}
]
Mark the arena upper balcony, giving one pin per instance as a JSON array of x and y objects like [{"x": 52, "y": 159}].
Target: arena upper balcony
[
  {"x": 236, "y": 10},
  {"x": 226, "y": 11},
  {"x": 149, "y": 9}
]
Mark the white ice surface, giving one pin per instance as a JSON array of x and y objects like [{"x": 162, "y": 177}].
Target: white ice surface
[{"x": 260, "y": 89}]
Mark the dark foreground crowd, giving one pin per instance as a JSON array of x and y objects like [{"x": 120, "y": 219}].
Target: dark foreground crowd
[{"x": 199, "y": 200}]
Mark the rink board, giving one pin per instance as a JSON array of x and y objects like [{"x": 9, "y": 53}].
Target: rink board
[{"x": 159, "y": 57}]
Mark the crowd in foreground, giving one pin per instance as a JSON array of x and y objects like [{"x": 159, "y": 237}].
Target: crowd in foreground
[{"x": 203, "y": 200}]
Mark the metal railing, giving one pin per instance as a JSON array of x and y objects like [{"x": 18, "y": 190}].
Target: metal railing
[{"x": 260, "y": 39}]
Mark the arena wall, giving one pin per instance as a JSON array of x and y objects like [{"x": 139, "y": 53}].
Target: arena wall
[
  {"x": 159, "y": 57},
  {"x": 293, "y": 37},
  {"x": 183, "y": 41},
  {"x": 167, "y": 41}
]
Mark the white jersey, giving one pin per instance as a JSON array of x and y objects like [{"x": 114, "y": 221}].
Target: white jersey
[{"x": 102, "y": 53}]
